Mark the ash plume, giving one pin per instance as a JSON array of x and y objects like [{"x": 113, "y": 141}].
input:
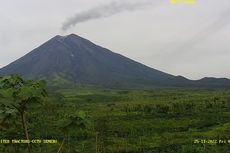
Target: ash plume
[{"x": 105, "y": 10}]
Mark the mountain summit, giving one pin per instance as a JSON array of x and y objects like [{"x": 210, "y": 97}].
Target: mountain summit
[{"x": 74, "y": 60}]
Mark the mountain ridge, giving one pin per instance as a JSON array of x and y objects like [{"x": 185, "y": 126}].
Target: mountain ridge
[{"x": 75, "y": 60}]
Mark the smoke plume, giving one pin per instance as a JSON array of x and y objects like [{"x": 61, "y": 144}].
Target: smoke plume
[{"x": 105, "y": 10}]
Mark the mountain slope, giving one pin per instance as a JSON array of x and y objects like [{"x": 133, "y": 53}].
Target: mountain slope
[
  {"x": 80, "y": 61},
  {"x": 75, "y": 60}
]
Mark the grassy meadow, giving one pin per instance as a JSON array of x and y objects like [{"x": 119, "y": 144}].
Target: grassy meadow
[{"x": 128, "y": 121}]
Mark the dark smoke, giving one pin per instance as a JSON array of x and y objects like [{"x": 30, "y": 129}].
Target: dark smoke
[{"x": 105, "y": 10}]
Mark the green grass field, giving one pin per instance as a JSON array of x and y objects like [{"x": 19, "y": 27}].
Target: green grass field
[{"x": 129, "y": 121}]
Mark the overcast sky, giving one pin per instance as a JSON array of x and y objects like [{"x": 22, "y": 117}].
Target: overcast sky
[{"x": 188, "y": 40}]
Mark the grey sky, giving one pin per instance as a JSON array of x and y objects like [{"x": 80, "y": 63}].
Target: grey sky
[{"x": 188, "y": 40}]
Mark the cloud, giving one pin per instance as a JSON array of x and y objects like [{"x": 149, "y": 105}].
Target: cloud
[
  {"x": 4, "y": 40},
  {"x": 221, "y": 22}
]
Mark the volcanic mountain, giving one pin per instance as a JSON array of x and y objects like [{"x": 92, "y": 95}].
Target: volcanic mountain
[{"x": 68, "y": 60}]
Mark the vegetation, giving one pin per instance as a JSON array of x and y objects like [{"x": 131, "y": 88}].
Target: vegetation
[{"x": 88, "y": 120}]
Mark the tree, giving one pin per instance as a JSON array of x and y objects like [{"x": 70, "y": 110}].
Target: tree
[
  {"x": 79, "y": 120},
  {"x": 16, "y": 94}
]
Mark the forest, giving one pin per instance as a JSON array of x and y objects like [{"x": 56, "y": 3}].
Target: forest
[{"x": 99, "y": 120}]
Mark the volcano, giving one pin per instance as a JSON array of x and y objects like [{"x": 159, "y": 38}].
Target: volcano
[{"x": 73, "y": 60}]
